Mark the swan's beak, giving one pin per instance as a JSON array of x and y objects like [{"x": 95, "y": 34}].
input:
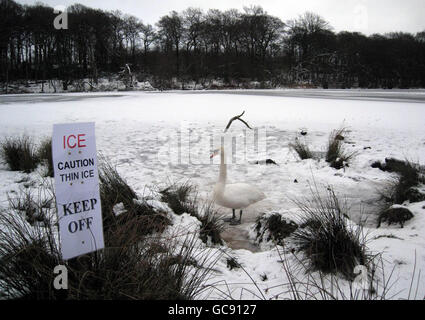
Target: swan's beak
[{"x": 214, "y": 153}]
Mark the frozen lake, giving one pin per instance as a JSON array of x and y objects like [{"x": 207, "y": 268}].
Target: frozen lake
[
  {"x": 411, "y": 95},
  {"x": 158, "y": 137}
]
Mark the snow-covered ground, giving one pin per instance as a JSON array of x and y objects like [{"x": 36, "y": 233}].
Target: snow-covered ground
[{"x": 154, "y": 138}]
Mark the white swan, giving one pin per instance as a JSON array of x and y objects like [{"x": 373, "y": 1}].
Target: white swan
[{"x": 234, "y": 196}]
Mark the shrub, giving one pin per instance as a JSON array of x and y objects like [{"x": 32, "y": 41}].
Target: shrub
[
  {"x": 130, "y": 266},
  {"x": 330, "y": 245},
  {"x": 276, "y": 227},
  {"x": 44, "y": 153},
  {"x": 403, "y": 188},
  {"x": 177, "y": 198},
  {"x": 28, "y": 255},
  {"x": 30, "y": 207},
  {"x": 19, "y": 153},
  {"x": 182, "y": 198},
  {"x": 336, "y": 155},
  {"x": 149, "y": 269},
  {"x": 211, "y": 225},
  {"x": 395, "y": 215},
  {"x": 115, "y": 190},
  {"x": 301, "y": 149},
  {"x": 378, "y": 285},
  {"x": 232, "y": 263},
  {"x": 402, "y": 167}
]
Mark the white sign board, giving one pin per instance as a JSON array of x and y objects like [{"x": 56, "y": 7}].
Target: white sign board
[{"x": 77, "y": 188}]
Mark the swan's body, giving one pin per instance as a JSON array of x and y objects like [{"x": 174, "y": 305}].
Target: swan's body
[{"x": 237, "y": 196}]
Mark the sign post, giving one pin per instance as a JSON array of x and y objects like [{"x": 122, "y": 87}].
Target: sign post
[{"x": 77, "y": 189}]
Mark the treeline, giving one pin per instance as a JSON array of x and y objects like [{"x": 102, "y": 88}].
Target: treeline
[{"x": 193, "y": 45}]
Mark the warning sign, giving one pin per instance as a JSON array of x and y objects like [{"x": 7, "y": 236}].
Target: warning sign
[{"x": 77, "y": 188}]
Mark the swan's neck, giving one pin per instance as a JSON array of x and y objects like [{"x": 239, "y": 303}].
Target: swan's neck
[
  {"x": 221, "y": 184},
  {"x": 223, "y": 170}
]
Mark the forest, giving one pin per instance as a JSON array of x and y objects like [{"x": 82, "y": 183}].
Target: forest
[{"x": 233, "y": 46}]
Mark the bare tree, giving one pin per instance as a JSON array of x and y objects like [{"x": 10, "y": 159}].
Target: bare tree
[
  {"x": 148, "y": 36},
  {"x": 193, "y": 24},
  {"x": 132, "y": 33},
  {"x": 234, "y": 46},
  {"x": 170, "y": 32},
  {"x": 306, "y": 36}
]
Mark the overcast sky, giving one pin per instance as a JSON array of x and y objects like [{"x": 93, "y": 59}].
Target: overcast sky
[{"x": 366, "y": 16}]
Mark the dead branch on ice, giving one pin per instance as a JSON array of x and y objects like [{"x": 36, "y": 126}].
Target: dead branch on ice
[{"x": 237, "y": 118}]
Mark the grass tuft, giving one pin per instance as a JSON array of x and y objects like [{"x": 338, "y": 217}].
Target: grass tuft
[
  {"x": 211, "y": 225},
  {"x": 32, "y": 208},
  {"x": 330, "y": 245},
  {"x": 276, "y": 228},
  {"x": 232, "y": 263},
  {"x": 301, "y": 149},
  {"x": 28, "y": 253},
  {"x": 19, "y": 153},
  {"x": 404, "y": 188},
  {"x": 183, "y": 198},
  {"x": 336, "y": 155},
  {"x": 114, "y": 190},
  {"x": 130, "y": 267},
  {"x": 44, "y": 153},
  {"x": 177, "y": 196},
  {"x": 397, "y": 215},
  {"x": 147, "y": 269}
]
